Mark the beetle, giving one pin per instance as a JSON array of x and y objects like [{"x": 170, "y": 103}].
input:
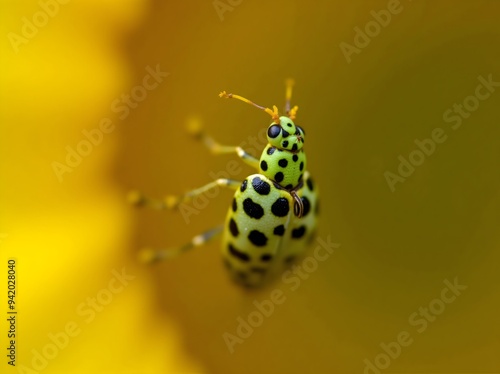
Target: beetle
[{"x": 273, "y": 214}]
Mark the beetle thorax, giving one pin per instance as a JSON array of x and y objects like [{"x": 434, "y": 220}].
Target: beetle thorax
[{"x": 282, "y": 166}]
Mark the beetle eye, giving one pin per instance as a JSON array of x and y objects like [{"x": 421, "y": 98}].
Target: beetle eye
[{"x": 273, "y": 131}]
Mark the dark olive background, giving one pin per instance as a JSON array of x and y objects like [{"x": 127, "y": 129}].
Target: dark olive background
[{"x": 396, "y": 247}]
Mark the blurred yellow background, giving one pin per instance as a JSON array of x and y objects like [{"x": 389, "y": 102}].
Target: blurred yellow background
[{"x": 116, "y": 81}]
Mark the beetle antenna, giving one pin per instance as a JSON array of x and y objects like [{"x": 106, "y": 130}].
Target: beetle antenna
[
  {"x": 290, "y": 112},
  {"x": 273, "y": 113}
]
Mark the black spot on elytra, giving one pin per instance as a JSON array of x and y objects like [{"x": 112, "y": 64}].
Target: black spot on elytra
[
  {"x": 233, "y": 228},
  {"x": 263, "y": 165},
  {"x": 289, "y": 186},
  {"x": 280, "y": 207},
  {"x": 298, "y": 232},
  {"x": 295, "y": 158},
  {"x": 310, "y": 184},
  {"x": 283, "y": 163},
  {"x": 278, "y": 177},
  {"x": 302, "y": 166},
  {"x": 266, "y": 257},
  {"x": 285, "y": 133},
  {"x": 273, "y": 131},
  {"x": 279, "y": 230},
  {"x": 294, "y": 147},
  {"x": 252, "y": 209},
  {"x": 289, "y": 124},
  {"x": 238, "y": 254},
  {"x": 307, "y": 206},
  {"x": 285, "y": 144},
  {"x": 235, "y": 205},
  {"x": 243, "y": 186},
  {"x": 300, "y": 178},
  {"x": 257, "y": 238},
  {"x": 262, "y": 187},
  {"x": 271, "y": 150}
]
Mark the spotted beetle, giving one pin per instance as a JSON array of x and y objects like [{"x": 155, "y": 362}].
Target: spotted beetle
[{"x": 273, "y": 214}]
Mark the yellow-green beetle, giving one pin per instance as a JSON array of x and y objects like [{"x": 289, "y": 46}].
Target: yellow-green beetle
[{"x": 273, "y": 214}]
